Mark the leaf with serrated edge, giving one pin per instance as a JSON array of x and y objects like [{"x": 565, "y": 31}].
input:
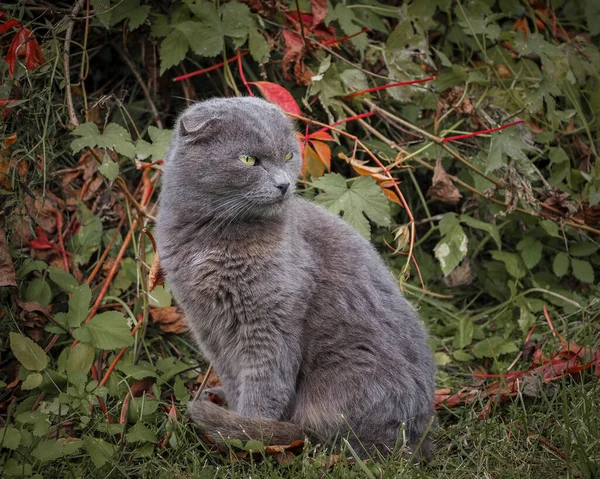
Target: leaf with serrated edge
[
  {"x": 29, "y": 354},
  {"x": 362, "y": 200},
  {"x": 107, "y": 330}
]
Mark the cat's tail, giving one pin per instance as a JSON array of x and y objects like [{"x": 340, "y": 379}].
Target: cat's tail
[{"x": 221, "y": 424}]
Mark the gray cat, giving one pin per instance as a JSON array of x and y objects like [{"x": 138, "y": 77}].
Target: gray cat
[{"x": 298, "y": 314}]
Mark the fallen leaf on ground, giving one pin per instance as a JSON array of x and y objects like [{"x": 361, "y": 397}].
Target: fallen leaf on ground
[{"x": 157, "y": 276}]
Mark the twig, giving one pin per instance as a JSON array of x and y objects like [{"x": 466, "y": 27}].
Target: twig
[
  {"x": 66, "y": 62},
  {"x": 207, "y": 69},
  {"x": 301, "y": 26},
  {"x": 143, "y": 86},
  {"x": 203, "y": 383}
]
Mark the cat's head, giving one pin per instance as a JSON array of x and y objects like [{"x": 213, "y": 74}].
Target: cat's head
[{"x": 233, "y": 154}]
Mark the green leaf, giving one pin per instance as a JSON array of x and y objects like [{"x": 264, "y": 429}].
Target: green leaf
[
  {"x": 513, "y": 263},
  {"x": 10, "y": 437},
  {"x": 460, "y": 355},
  {"x": 109, "y": 168},
  {"x": 464, "y": 333},
  {"x": 81, "y": 358},
  {"x": 453, "y": 246},
  {"x": 204, "y": 39},
  {"x": 132, "y": 10},
  {"x": 29, "y": 354},
  {"x": 102, "y": 11},
  {"x": 583, "y": 249},
  {"x": 89, "y": 237},
  {"x": 492, "y": 229},
  {"x": 494, "y": 346},
  {"x": 32, "y": 381},
  {"x": 99, "y": 450},
  {"x": 181, "y": 392},
  {"x": 30, "y": 265},
  {"x": 12, "y": 467},
  {"x": 38, "y": 291},
  {"x": 114, "y": 137},
  {"x": 157, "y": 149},
  {"x": 362, "y": 200},
  {"x": 159, "y": 297},
  {"x": 507, "y": 143},
  {"x": 441, "y": 359},
  {"x": 561, "y": 264},
  {"x": 558, "y": 155},
  {"x": 258, "y": 45},
  {"x": 107, "y": 330},
  {"x": 531, "y": 251},
  {"x": 582, "y": 270},
  {"x": 47, "y": 451},
  {"x": 140, "y": 433},
  {"x": 79, "y": 305},
  {"x": 173, "y": 50},
  {"x": 66, "y": 281},
  {"x": 551, "y": 228}
]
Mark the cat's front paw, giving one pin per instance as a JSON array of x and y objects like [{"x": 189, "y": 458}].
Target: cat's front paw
[{"x": 215, "y": 395}]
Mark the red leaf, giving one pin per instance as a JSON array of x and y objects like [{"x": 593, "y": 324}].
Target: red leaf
[
  {"x": 41, "y": 240},
  {"x": 24, "y": 45},
  {"x": 278, "y": 95},
  {"x": 320, "y": 135},
  {"x": 319, "y": 11},
  {"x": 324, "y": 153},
  {"x": 8, "y": 25}
]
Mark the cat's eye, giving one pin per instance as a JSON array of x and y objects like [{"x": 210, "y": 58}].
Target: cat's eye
[
  {"x": 249, "y": 160},
  {"x": 288, "y": 157}
]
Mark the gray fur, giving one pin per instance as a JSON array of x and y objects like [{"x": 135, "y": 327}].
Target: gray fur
[{"x": 298, "y": 314}]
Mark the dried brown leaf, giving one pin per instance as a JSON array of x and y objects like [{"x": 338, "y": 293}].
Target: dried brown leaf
[
  {"x": 157, "y": 276},
  {"x": 442, "y": 188},
  {"x": 169, "y": 320}
]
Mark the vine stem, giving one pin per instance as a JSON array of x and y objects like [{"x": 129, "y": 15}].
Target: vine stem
[{"x": 67, "y": 60}]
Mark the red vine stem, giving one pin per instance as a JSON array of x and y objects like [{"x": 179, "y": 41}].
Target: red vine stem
[
  {"x": 206, "y": 70},
  {"x": 482, "y": 132},
  {"x": 242, "y": 76},
  {"x": 389, "y": 85},
  {"x": 347, "y": 37},
  {"x": 350, "y": 118}
]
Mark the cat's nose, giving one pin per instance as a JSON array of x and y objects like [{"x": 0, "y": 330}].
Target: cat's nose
[{"x": 283, "y": 187}]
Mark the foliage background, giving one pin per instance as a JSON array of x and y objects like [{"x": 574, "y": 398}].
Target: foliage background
[{"x": 95, "y": 371}]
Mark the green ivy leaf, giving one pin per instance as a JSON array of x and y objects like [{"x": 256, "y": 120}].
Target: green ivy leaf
[
  {"x": 361, "y": 200},
  {"x": 159, "y": 297},
  {"x": 558, "y": 155},
  {"x": 582, "y": 270},
  {"x": 99, "y": 450},
  {"x": 107, "y": 330},
  {"x": 140, "y": 433},
  {"x": 38, "y": 291},
  {"x": 173, "y": 50},
  {"x": 47, "y": 451},
  {"x": 114, "y": 137},
  {"x": 513, "y": 263},
  {"x": 109, "y": 168},
  {"x": 32, "y": 381},
  {"x": 453, "y": 246},
  {"x": 460, "y": 355},
  {"x": 81, "y": 358},
  {"x": 29, "y": 354},
  {"x": 10, "y": 437},
  {"x": 66, "y": 281},
  {"x": 561, "y": 264}
]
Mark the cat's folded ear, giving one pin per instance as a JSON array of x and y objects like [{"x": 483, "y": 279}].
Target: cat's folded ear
[{"x": 197, "y": 128}]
